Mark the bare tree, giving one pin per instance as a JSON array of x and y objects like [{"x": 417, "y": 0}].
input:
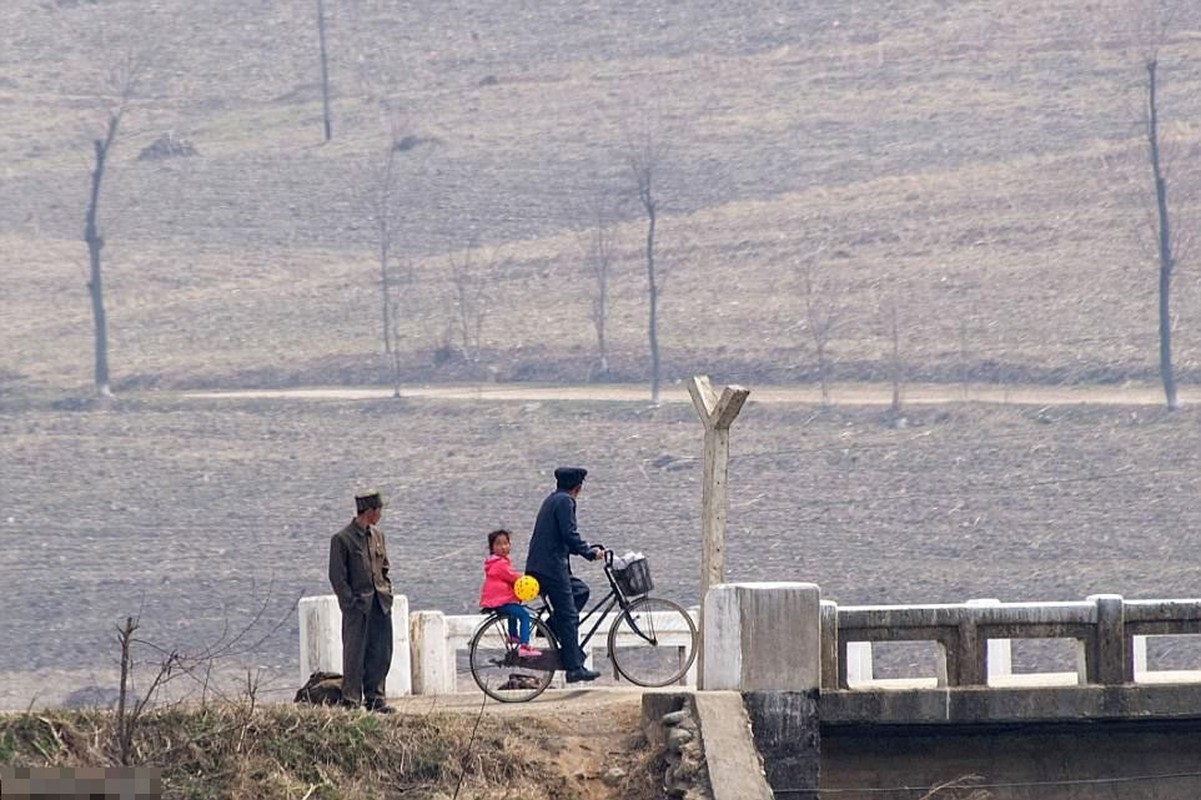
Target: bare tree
[
  {"x": 122, "y": 85},
  {"x": 965, "y": 369},
  {"x": 472, "y": 273},
  {"x": 822, "y": 313},
  {"x": 131, "y": 708},
  {"x": 892, "y": 314},
  {"x": 645, "y": 156},
  {"x": 172, "y": 664},
  {"x": 396, "y": 292},
  {"x": 599, "y": 244},
  {"x": 329, "y": 131},
  {"x": 1149, "y": 23},
  {"x": 394, "y": 274},
  {"x": 1167, "y": 257},
  {"x": 384, "y": 182}
]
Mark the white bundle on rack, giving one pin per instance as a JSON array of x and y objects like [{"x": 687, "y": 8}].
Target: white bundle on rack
[{"x": 621, "y": 562}]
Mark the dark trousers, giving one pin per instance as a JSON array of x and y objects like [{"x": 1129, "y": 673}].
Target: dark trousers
[
  {"x": 366, "y": 653},
  {"x": 568, "y": 595}
]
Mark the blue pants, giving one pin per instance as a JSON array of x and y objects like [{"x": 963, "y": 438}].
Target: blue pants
[
  {"x": 568, "y": 595},
  {"x": 519, "y": 615}
]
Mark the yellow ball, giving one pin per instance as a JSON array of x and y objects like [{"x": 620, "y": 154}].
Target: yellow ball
[{"x": 526, "y": 588}]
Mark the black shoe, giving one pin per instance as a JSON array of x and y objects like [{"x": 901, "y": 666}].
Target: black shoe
[
  {"x": 582, "y": 674},
  {"x": 379, "y": 707}
]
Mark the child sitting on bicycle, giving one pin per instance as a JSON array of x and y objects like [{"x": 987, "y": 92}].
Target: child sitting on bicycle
[{"x": 497, "y": 592}]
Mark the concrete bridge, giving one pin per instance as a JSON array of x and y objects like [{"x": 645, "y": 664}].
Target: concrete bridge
[{"x": 824, "y": 725}]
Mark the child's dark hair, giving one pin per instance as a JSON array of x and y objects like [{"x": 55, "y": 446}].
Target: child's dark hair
[{"x": 492, "y": 537}]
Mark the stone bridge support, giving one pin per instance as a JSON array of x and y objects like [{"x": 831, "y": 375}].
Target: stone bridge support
[{"x": 764, "y": 641}]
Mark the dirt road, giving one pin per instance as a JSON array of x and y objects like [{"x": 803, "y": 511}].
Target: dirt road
[{"x": 853, "y": 394}]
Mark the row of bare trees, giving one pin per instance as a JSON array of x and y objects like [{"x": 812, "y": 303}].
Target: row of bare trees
[
  {"x": 1149, "y": 22},
  {"x": 474, "y": 269}
]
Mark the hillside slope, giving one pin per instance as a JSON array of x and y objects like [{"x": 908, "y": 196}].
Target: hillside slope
[{"x": 982, "y": 171}]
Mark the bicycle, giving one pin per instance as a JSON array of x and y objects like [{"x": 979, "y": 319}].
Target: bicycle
[{"x": 651, "y": 643}]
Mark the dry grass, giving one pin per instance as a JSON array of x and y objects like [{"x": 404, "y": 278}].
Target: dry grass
[{"x": 228, "y": 751}]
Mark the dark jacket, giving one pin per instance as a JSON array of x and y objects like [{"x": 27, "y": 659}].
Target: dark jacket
[
  {"x": 358, "y": 568},
  {"x": 555, "y": 537}
]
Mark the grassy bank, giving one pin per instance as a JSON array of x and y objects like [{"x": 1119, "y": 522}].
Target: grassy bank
[{"x": 237, "y": 751}]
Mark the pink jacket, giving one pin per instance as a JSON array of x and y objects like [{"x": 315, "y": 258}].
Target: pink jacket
[{"x": 499, "y": 576}]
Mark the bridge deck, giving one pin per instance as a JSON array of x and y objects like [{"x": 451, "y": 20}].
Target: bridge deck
[{"x": 1009, "y": 704}]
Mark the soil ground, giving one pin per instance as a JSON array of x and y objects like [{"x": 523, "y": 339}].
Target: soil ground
[
  {"x": 594, "y": 731},
  {"x": 205, "y": 518}
]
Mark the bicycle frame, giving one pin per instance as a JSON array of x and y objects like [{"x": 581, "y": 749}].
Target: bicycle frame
[{"x": 604, "y": 606}]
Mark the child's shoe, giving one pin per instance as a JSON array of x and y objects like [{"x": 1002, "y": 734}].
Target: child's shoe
[{"x": 525, "y": 651}]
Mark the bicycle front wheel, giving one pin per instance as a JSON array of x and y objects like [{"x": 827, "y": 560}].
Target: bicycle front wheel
[
  {"x": 499, "y": 668},
  {"x": 652, "y": 642}
]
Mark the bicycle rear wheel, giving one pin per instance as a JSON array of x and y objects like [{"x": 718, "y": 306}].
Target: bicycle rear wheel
[
  {"x": 503, "y": 673},
  {"x": 652, "y": 642}
]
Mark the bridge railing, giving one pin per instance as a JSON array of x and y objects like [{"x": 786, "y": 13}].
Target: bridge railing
[
  {"x": 430, "y": 647},
  {"x": 973, "y": 639}
]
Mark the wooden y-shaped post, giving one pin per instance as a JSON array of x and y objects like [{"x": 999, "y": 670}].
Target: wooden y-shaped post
[{"x": 717, "y": 414}]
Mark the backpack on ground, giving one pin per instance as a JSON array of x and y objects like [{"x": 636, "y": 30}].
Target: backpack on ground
[{"x": 322, "y": 689}]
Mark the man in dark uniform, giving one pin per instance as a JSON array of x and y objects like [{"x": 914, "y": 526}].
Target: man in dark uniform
[
  {"x": 555, "y": 539},
  {"x": 358, "y": 571}
]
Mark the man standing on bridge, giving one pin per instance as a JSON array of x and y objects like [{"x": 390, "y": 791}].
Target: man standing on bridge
[
  {"x": 358, "y": 571},
  {"x": 555, "y": 539}
]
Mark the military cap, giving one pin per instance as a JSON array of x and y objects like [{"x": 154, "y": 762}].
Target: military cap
[
  {"x": 365, "y": 501},
  {"x": 569, "y": 477}
]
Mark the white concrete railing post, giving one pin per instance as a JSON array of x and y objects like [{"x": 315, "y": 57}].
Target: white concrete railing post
[
  {"x": 691, "y": 676},
  {"x": 1107, "y": 654},
  {"x": 459, "y": 630},
  {"x": 432, "y": 671},
  {"x": 859, "y": 662},
  {"x": 1139, "y": 643},
  {"x": 320, "y": 635},
  {"x": 762, "y": 637},
  {"x": 999, "y": 657},
  {"x": 400, "y": 674},
  {"x": 321, "y": 640}
]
